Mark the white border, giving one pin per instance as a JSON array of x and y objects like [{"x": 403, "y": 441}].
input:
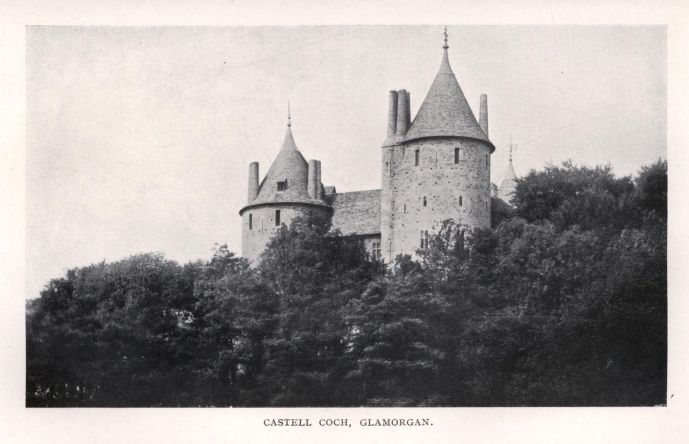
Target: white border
[{"x": 489, "y": 425}]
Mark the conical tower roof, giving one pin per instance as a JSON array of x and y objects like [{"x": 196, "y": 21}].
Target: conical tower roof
[
  {"x": 507, "y": 184},
  {"x": 290, "y": 168},
  {"x": 445, "y": 111}
]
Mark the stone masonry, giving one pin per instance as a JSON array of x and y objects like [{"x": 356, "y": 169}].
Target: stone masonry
[{"x": 434, "y": 168}]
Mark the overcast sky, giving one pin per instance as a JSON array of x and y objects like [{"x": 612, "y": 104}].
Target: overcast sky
[{"x": 139, "y": 139}]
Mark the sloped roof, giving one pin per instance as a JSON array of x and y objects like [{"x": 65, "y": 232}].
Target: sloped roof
[
  {"x": 507, "y": 184},
  {"x": 445, "y": 111},
  {"x": 290, "y": 166},
  {"x": 357, "y": 212}
]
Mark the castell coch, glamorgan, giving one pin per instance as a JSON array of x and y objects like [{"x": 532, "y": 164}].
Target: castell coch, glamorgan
[{"x": 434, "y": 168}]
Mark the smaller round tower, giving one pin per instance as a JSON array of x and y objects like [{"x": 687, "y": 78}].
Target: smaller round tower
[{"x": 291, "y": 188}]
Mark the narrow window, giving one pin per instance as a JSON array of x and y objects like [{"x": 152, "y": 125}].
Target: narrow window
[
  {"x": 251, "y": 222},
  {"x": 416, "y": 158},
  {"x": 282, "y": 186},
  {"x": 277, "y": 218},
  {"x": 486, "y": 205},
  {"x": 460, "y": 201},
  {"x": 424, "y": 239},
  {"x": 405, "y": 208},
  {"x": 457, "y": 155},
  {"x": 486, "y": 161},
  {"x": 424, "y": 201}
]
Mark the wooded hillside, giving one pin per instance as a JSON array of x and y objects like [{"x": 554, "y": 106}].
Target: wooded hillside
[{"x": 563, "y": 302}]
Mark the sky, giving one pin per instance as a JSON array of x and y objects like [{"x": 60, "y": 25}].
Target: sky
[{"x": 139, "y": 139}]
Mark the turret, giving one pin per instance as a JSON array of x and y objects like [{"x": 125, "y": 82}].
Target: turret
[
  {"x": 291, "y": 188},
  {"x": 483, "y": 115},
  {"x": 253, "y": 181}
]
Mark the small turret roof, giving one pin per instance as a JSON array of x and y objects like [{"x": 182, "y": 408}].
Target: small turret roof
[
  {"x": 445, "y": 111},
  {"x": 289, "y": 166},
  {"x": 507, "y": 184}
]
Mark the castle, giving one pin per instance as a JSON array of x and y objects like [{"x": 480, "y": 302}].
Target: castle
[{"x": 434, "y": 168}]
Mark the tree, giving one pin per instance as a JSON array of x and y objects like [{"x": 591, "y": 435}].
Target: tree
[
  {"x": 568, "y": 195},
  {"x": 313, "y": 274},
  {"x": 107, "y": 335},
  {"x": 651, "y": 186},
  {"x": 401, "y": 327}
]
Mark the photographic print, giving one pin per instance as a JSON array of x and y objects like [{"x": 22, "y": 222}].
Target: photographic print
[{"x": 346, "y": 216}]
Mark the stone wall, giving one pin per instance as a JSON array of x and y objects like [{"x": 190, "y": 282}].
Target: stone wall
[
  {"x": 438, "y": 180},
  {"x": 255, "y": 239},
  {"x": 372, "y": 244}
]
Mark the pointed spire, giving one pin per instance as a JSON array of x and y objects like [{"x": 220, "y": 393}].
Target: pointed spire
[
  {"x": 445, "y": 111},
  {"x": 289, "y": 115},
  {"x": 291, "y": 171},
  {"x": 288, "y": 143},
  {"x": 512, "y": 148},
  {"x": 508, "y": 183}
]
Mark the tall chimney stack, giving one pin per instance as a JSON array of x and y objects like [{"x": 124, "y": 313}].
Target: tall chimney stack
[
  {"x": 483, "y": 119},
  {"x": 392, "y": 114},
  {"x": 403, "y": 113},
  {"x": 314, "y": 184},
  {"x": 319, "y": 190},
  {"x": 253, "y": 181}
]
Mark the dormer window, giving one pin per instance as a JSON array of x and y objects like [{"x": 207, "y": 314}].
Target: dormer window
[{"x": 282, "y": 186}]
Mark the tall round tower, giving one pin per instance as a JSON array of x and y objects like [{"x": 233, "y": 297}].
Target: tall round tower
[
  {"x": 292, "y": 187},
  {"x": 436, "y": 168}
]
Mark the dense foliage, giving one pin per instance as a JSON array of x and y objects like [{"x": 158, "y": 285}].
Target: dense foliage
[{"x": 562, "y": 302}]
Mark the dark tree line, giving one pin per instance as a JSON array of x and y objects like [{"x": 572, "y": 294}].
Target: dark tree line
[{"x": 562, "y": 302}]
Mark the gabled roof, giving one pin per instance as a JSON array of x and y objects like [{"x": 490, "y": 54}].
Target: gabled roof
[
  {"x": 289, "y": 166},
  {"x": 445, "y": 111},
  {"x": 356, "y": 213}
]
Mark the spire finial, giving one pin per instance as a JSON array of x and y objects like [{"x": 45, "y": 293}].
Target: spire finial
[
  {"x": 445, "y": 45},
  {"x": 512, "y": 148},
  {"x": 289, "y": 115}
]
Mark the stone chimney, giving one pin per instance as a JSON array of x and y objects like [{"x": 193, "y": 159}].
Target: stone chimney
[
  {"x": 483, "y": 119},
  {"x": 392, "y": 114},
  {"x": 315, "y": 179},
  {"x": 403, "y": 113},
  {"x": 253, "y": 181}
]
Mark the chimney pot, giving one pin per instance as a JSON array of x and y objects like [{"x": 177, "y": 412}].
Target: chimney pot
[
  {"x": 253, "y": 181},
  {"x": 483, "y": 115}
]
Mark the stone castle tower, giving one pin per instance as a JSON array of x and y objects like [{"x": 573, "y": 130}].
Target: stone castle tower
[
  {"x": 434, "y": 168},
  {"x": 292, "y": 187}
]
